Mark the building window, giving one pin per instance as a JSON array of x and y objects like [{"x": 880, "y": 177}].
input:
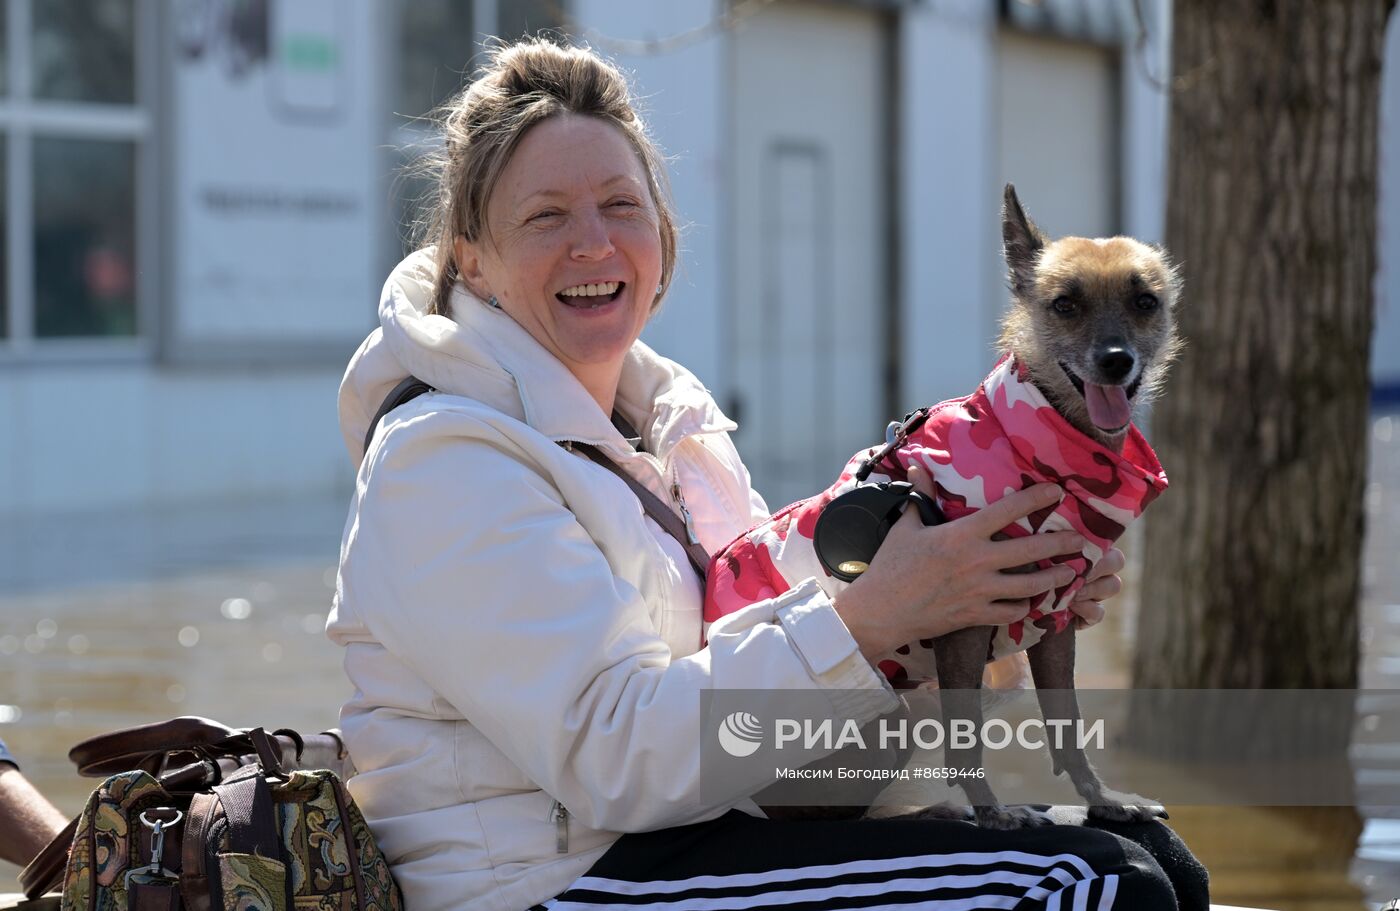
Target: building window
[
  {"x": 73, "y": 133},
  {"x": 439, "y": 47},
  {"x": 439, "y": 41},
  {"x": 518, "y": 18}
]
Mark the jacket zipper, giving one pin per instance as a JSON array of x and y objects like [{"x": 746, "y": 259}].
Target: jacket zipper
[
  {"x": 685, "y": 513},
  {"x": 559, "y": 815}
]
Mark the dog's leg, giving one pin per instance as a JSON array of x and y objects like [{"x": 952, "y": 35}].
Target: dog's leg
[
  {"x": 961, "y": 657},
  {"x": 1052, "y": 668}
]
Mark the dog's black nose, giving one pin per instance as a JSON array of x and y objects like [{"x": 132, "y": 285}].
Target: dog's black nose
[{"x": 1116, "y": 362}]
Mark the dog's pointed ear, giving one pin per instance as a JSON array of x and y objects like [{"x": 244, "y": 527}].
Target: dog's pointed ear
[{"x": 1021, "y": 239}]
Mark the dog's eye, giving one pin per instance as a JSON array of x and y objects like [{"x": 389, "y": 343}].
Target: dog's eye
[
  {"x": 1063, "y": 304},
  {"x": 1146, "y": 302}
]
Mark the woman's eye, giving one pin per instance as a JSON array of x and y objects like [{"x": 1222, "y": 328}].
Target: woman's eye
[
  {"x": 545, "y": 215},
  {"x": 623, "y": 203},
  {"x": 1063, "y": 304},
  {"x": 1146, "y": 302}
]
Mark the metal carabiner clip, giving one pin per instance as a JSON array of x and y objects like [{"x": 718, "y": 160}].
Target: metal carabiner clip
[{"x": 154, "y": 872}]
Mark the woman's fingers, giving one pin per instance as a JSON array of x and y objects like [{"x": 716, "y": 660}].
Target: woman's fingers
[
  {"x": 992, "y": 613},
  {"x": 1012, "y": 507},
  {"x": 1033, "y": 548},
  {"x": 1100, "y": 589},
  {"x": 925, "y": 582},
  {"x": 1102, "y": 583},
  {"x": 1003, "y": 613},
  {"x": 1112, "y": 562},
  {"x": 1086, "y": 607},
  {"x": 1087, "y": 613},
  {"x": 921, "y": 481},
  {"x": 1027, "y": 585}
]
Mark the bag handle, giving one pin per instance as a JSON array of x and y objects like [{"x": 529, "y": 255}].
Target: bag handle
[
  {"x": 151, "y": 747},
  {"x": 145, "y": 746}
]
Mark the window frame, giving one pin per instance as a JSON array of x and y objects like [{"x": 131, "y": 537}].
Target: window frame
[{"x": 23, "y": 119}]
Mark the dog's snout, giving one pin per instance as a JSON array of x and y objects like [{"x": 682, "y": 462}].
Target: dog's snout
[{"x": 1115, "y": 361}]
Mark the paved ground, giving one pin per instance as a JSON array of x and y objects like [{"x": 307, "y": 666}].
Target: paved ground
[{"x": 112, "y": 620}]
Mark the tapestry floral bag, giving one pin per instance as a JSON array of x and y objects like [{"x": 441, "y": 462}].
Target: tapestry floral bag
[{"x": 244, "y": 838}]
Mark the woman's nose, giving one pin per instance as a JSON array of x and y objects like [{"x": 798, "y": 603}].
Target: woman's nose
[{"x": 592, "y": 240}]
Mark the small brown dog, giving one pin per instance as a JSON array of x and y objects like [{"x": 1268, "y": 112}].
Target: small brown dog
[
  {"x": 1086, "y": 343},
  {"x": 1091, "y": 325}
]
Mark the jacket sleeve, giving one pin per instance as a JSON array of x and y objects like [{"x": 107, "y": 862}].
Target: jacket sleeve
[{"x": 500, "y": 599}]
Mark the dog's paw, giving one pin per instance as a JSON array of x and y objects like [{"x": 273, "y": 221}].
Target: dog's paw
[
  {"x": 1008, "y": 818},
  {"x": 931, "y": 811},
  {"x": 945, "y": 811},
  {"x": 1117, "y": 806}
]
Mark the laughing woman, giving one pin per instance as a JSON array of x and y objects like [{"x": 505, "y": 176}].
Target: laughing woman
[{"x": 520, "y": 597}]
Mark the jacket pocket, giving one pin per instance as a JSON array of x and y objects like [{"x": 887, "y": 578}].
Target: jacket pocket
[{"x": 530, "y": 828}]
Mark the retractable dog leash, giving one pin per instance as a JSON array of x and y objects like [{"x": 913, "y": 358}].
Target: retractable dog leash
[{"x": 853, "y": 526}]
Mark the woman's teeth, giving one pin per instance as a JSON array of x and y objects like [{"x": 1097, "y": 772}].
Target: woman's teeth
[{"x": 602, "y": 289}]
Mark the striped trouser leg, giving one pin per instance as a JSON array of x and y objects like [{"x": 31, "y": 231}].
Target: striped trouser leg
[{"x": 740, "y": 862}]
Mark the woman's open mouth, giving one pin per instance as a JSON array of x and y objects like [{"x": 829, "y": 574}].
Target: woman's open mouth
[
  {"x": 591, "y": 296},
  {"x": 1110, "y": 407}
]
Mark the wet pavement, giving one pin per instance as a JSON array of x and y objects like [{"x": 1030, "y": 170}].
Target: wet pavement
[
  {"x": 1377, "y": 866},
  {"x": 119, "y": 619}
]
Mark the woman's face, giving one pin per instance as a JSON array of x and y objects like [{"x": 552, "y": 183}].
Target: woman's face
[{"x": 573, "y": 247}]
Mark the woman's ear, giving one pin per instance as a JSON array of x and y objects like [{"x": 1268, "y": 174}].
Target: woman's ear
[{"x": 468, "y": 257}]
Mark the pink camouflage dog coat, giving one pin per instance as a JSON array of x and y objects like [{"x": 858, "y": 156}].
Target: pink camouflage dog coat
[{"x": 1002, "y": 438}]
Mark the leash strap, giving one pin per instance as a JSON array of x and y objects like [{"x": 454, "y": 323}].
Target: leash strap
[{"x": 895, "y": 437}]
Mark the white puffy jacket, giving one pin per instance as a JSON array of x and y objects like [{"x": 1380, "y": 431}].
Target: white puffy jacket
[{"x": 525, "y": 645}]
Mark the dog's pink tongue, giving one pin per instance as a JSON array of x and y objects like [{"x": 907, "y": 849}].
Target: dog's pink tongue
[{"x": 1108, "y": 406}]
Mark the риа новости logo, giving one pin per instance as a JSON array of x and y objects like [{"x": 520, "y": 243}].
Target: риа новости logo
[{"x": 740, "y": 734}]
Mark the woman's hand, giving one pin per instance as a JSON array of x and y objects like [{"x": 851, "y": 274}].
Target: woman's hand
[
  {"x": 929, "y": 580},
  {"x": 1103, "y": 583}
]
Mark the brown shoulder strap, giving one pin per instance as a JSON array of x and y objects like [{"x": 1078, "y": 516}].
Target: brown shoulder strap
[
  {"x": 406, "y": 391},
  {"x": 671, "y": 523},
  {"x": 247, "y": 803},
  {"x": 412, "y": 387}
]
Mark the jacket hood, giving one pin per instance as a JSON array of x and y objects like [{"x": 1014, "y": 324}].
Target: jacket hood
[{"x": 481, "y": 353}]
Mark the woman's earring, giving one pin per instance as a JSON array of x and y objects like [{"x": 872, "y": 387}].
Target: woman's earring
[
  {"x": 659, "y": 289},
  {"x": 493, "y": 303}
]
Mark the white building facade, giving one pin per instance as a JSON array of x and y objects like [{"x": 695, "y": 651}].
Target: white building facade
[{"x": 196, "y": 227}]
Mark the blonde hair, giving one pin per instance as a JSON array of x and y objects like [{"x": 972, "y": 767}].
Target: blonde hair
[{"x": 521, "y": 86}]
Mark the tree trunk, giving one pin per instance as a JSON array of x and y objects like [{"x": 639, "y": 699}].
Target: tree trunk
[{"x": 1252, "y": 558}]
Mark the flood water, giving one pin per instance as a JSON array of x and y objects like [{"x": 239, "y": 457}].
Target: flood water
[{"x": 125, "y": 618}]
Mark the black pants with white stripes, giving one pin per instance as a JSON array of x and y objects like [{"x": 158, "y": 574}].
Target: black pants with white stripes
[{"x": 740, "y": 862}]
